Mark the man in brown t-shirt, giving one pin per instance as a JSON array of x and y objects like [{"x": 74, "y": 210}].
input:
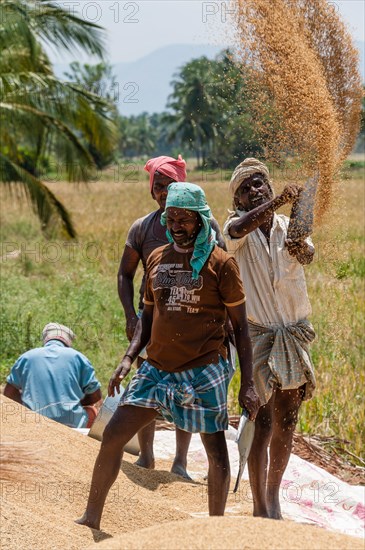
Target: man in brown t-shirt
[
  {"x": 191, "y": 285},
  {"x": 145, "y": 235}
]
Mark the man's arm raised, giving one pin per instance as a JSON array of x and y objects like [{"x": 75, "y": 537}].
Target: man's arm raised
[
  {"x": 302, "y": 250},
  {"x": 252, "y": 219}
]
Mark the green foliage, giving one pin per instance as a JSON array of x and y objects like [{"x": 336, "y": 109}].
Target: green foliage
[
  {"x": 355, "y": 164},
  {"x": 354, "y": 267},
  {"x": 41, "y": 115},
  {"x": 71, "y": 290},
  {"x": 360, "y": 145},
  {"x": 208, "y": 117},
  {"x": 138, "y": 136},
  {"x": 100, "y": 80},
  {"x": 147, "y": 135},
  {"x": 353, "y": 168},
  {"x": 75, "y": 283},
  {"x": 210, "y": 112},
  {"x": 193, "y": 104}
]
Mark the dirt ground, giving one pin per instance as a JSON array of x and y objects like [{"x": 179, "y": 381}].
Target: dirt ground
[{"x": 44, "y": 486}]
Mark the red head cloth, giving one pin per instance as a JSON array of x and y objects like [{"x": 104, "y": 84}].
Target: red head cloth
[{"x": 168, "y": 166}]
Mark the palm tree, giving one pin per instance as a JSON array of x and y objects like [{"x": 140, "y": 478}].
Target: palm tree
[
  {"x": 211, "y": 111},
  {"x": 195, "y": 107},
  {"x": 38, "y": 112},
  {"x": 100, "y": 80}
]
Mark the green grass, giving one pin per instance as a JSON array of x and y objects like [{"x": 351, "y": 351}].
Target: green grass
[
  {"x": 36, "y": 292},
  {"x": 75, "y": 284},
  {"x": 355, "y": 267}
]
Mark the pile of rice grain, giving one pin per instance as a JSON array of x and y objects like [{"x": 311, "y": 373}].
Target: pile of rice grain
[
  {"x": 239, "y": 533},
  {"x": 44, "y": 493},
  {"x": 305, "y": 84}
]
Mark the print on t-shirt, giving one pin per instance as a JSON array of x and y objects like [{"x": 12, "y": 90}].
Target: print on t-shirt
[{"x": 178, "y": 286}]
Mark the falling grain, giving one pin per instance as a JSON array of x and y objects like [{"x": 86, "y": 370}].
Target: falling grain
[{"x": 305, "y": 84}]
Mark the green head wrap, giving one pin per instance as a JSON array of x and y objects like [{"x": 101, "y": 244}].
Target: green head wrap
[{"x": 192, "y": 197}]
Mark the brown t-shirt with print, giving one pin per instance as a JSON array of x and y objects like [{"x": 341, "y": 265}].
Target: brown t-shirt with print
[
  {"x": 189, "y": 315},
  {"x": 142, "y": 238}
]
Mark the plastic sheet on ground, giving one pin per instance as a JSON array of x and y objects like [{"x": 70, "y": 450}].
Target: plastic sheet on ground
[{"x": 309, "y": 494}]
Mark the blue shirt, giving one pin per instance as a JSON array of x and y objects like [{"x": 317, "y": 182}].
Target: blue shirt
[{"x": 53, "y": 379}]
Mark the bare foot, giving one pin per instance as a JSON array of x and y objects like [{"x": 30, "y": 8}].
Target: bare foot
[
  {"x": 88, "y": 522},
  {"x": 180, "y": 470},
  {"x": 146, "y": 462},
  {"x": 260, "y": 511},
  {"x": 275, "y": 514},
  {"x": 261, "y": 515},
  {"x": 273, "y": 506}
]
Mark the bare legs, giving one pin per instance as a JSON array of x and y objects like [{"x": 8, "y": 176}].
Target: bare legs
[
  {"x": 218, "y": 472},
  {"x": 275, "y": 425},
  {"x": 146, "y": 458},
  {"x": 145, "y": 438},
  {"x": 109, "y": 459},
  {"x": 108, "y": 462},
  {"x": 287, "y": 404},
  {"x": 258, "y": 459},
  {"x": 182, "y": 446}
]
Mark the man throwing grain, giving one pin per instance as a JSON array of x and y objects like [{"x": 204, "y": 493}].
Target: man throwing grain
[
  {"x": 277, "y": 310},
  {"x": 191, "y": 285}
]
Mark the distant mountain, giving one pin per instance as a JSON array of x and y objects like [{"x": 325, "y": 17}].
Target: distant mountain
[{"x": 144, "y": 85}]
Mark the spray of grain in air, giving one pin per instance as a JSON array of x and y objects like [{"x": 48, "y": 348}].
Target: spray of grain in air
[{"x": 304, "y": 84}]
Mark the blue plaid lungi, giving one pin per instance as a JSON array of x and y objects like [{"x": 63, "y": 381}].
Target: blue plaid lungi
[{"x": 195, "y": 400}]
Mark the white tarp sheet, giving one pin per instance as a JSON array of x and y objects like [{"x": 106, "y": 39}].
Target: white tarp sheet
[{"x": 308, "y": 493}]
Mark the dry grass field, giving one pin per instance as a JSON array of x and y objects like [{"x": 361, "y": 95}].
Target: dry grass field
[{"x": 54, "y": 279}]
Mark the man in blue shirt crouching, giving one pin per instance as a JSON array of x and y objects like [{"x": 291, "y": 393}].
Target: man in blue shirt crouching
[{"x": 56, "y": 380}]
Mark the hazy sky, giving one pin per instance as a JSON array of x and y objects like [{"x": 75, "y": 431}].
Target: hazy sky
[{"x": 136, "y": 28}]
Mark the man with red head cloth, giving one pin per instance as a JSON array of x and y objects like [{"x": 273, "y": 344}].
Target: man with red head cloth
[
  {"x": 174, "y": 169},
  {"x": 145, "y": 235}
]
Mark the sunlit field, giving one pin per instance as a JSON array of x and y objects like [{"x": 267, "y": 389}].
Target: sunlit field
[{"x": 75, "y": 283}]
